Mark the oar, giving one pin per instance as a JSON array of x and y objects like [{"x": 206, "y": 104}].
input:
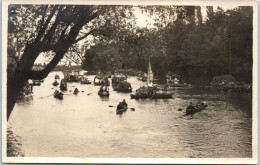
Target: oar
[
  {"x": 46, "y": 96},
  {"x": 116, "y": 106}
]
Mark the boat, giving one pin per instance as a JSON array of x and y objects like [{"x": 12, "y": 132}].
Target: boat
[
  {"x": 119, "y": 111},
  {"x": 103, "y": 93},
  {"x": 101, "y": 80},
  {"x": 84, "y": 80},
  {"x": 76, "y": 91},
  {"x": 55, "y": 83},
  {"x": 142, "y": 77},
  {"x": 57, "y": 76},
  {"x": 58, "y": 95},
  {"x": 123, "y": 86},
  {"x": 63, "y": 85},
  {"x": 116, "y": 79},
  {"x": 36, "y": 82},
  {"x": 150, "y": 90},
  {"x": 195, "y": 109},
  {"x": 71, "y": 76},
  {"x": 172, "y": 80}
]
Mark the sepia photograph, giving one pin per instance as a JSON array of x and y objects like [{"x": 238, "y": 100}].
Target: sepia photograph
[{"x": 129, "y": 82}]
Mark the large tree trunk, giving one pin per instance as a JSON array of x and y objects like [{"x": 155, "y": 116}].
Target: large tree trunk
[{"x": 14, "y": 86}]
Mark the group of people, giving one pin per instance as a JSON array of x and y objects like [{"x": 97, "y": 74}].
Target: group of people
[{"x": 122, "y": 104}]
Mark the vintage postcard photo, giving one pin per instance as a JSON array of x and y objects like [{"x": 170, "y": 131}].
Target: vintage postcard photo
[{"x": 130, "y": 82}]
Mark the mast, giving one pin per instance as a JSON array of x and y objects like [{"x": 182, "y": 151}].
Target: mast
[{"x": 150, "y": 74}]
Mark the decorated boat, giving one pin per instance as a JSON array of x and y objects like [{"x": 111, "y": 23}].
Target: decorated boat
[
  {"x": 142, "y": 77},
  {"x": 150, "y": 90},
  {"x": 101, "y": 80},
  {"x": 123, "y": 86},
  {"x": 116, "y": 79},
  {"x": 173, "y": 80},
  {"x": 71, "y": 76},
  {"x": 84, "y": 80}
]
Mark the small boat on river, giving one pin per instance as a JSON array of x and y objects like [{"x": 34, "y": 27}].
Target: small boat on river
[
  {"x": 84, "y": 80},
  {"x": 58, "y": 95},
  {"x": 193, "y": 109},
  {"x": 101, "y": 80},
  {"x": 121, "y": 110},
  {"x": 55, "y": 83},
  {"x": 150, "y": 90},
  {"x": 173, "y": 80},
  {"x": 57, "y": 76}
]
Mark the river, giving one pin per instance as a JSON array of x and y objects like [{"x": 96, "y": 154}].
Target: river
[{"x": 84, "y": 125}]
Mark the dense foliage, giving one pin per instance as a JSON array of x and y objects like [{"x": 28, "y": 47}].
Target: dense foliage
[{"x": 196, "y": 48}]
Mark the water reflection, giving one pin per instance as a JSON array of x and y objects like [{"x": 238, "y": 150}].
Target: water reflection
[{"x": 86, "y": 125}]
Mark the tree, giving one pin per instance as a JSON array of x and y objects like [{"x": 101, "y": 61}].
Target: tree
[{"x": 51, "y": 29}]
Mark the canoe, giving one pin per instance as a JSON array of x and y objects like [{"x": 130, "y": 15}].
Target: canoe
[
  {"x": 121, "y": 110},
  {"x": 195, "y": 109}
]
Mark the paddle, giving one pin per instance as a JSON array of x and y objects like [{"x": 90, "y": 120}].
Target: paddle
[
  {"x": 116, "y": 106},
  {"x": 46, "y": 96}
]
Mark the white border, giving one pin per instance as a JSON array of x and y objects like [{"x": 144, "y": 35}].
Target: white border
[{"x": 253, "y": 160}]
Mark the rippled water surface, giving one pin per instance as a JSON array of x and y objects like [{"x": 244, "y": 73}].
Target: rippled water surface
[{"x": 84, "y": 125}]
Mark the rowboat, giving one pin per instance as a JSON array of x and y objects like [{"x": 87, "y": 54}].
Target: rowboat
[
  {"x": 103, "y": 93},
  {"x": 195, "y": 109},
  {"x": 57, "y": 76},
  {"x": 55, "y": 83},
  {"x": 118, "y": 111},
  {"x": 58, "y": 95}
]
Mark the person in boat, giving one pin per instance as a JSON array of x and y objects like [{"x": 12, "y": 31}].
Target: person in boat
[
  {"x": 76, "y": 90},
  {"x": 124, "y": 103},
  {"x": 191, "y": 106},
  {"x": 120, "y": 106},
  {"x": 199, "y": 104},
  {"x": 101, "y": 88}
]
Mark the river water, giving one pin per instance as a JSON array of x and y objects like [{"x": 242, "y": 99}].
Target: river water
[{"x": 84, "y": 125}]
